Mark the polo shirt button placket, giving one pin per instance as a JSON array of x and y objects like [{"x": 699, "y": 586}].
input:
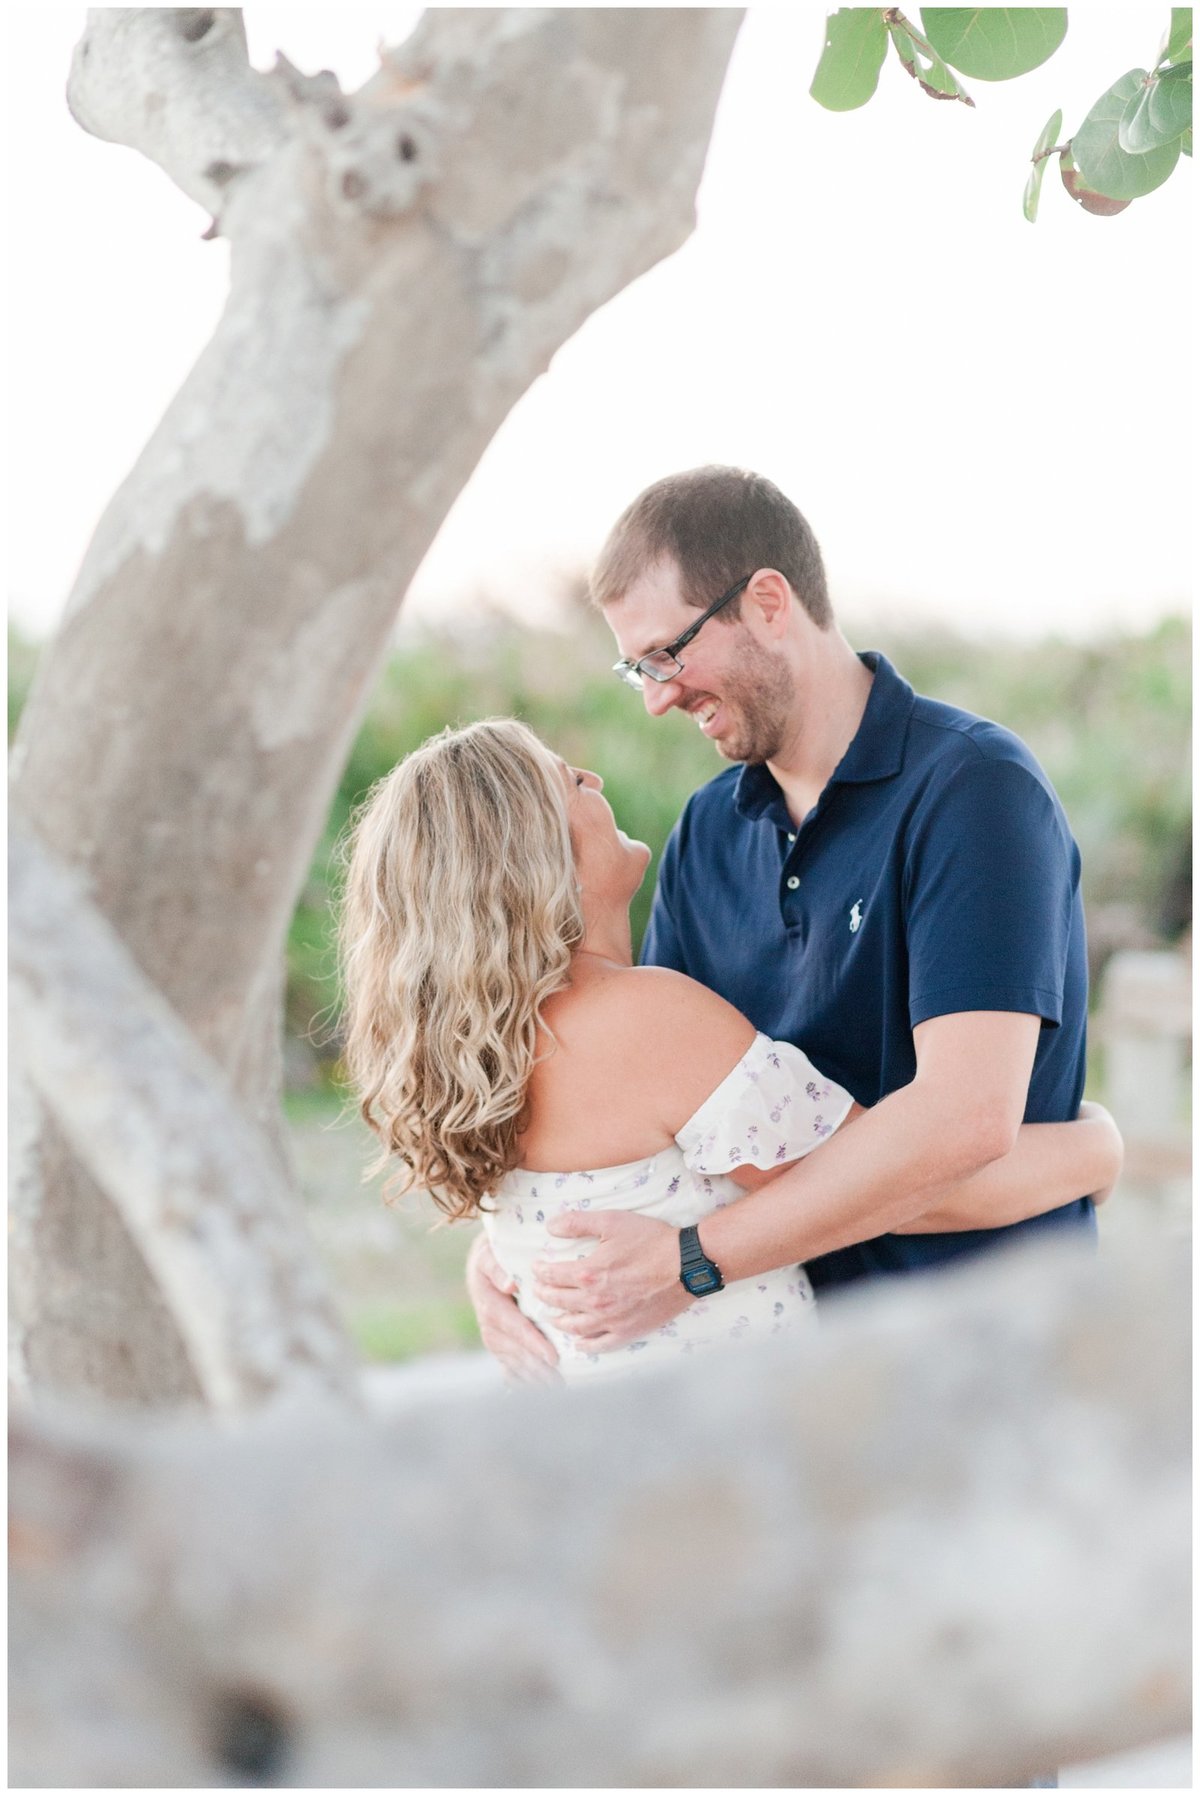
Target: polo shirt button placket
[{"x": 791, "y": 916}]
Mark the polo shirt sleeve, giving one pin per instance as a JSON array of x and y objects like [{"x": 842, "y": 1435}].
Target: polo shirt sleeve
[
  {"x": 661, "y": 944},
  {"x": 990, "y": 878}
]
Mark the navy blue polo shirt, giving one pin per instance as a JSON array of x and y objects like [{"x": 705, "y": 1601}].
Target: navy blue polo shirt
[{"x": 935, "y": 874}]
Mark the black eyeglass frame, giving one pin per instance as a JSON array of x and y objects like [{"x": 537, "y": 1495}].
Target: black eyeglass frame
[{"x": 634, "y": 672}]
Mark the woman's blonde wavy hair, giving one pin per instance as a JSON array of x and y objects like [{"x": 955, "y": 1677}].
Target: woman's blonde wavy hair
[{"x": 460, "y": 915}]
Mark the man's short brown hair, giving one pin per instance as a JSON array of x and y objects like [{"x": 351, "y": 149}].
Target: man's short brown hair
[{"x": 717, "y": 525}]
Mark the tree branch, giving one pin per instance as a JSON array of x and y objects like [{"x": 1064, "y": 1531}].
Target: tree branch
[
  {"x": 154, "y": 1120},
  {"x": 176, "y": 84},
  {"x": 946, "y": 1544}
]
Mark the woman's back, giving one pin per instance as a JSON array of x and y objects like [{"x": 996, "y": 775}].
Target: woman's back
[
  {"x": 593, "y": 1098},
  {"x": 652, "y": 1093}
]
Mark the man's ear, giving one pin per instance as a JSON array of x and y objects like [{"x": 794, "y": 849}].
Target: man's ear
[{"x": 770, "y": 596}]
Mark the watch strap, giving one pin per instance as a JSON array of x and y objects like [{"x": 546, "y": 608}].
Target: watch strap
[{"x": 697, "y": 1273}]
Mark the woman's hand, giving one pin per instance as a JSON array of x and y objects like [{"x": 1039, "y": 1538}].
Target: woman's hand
[
  {"x": 1088, "y": 1111},
  {"x": 626, "y": 1288},
  {"x": 524, "y": 1353}
]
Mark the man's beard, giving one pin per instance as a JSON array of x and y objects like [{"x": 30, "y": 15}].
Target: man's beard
[{"x": 760, "y": 694}]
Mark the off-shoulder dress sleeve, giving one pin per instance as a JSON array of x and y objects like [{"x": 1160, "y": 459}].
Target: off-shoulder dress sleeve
[{"x": 772, "y": 1108}]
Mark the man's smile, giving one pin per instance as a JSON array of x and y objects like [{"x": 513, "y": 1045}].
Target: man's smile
[{"x": 704, "y": 712}]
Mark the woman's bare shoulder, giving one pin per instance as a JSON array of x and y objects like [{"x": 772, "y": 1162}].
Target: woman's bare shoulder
[
  {"x": 664, "y": 1001},
  {"x": 679, "y": 1000},
  {"x": 682, "y": 1038},
  {"x": 631, "y": 1054}
]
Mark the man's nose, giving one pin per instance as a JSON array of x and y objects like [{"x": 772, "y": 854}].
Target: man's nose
[{"x": 660, "y": 696}]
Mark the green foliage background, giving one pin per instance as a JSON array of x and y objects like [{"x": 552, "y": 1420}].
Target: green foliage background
[{"x": 1109, "y": 721}]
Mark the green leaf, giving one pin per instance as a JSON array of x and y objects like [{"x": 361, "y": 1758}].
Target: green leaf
[
  {"x": 1178, "y": 47},
  {"x": 924, "y": 64},
  {"x": 1048, "y": 135},
  {"x": 1104, "y": 166},
  {"x": 1088, "y": 198},
  {"x": 855, "y": 46},
  {"x": 994, "y": 43},
  {"x": 1185, "y": 142},
  {"x": 1161, "y": 112},
  {"x": 1047, "y": 138}
]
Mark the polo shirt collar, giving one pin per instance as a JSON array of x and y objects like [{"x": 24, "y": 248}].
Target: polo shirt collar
[
  {"x": 877, "y": 749},
  {"x": 875, "y": 753}
]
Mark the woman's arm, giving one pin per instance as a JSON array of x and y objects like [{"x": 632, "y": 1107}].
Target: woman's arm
[{"x": 1051, "y": 1164}]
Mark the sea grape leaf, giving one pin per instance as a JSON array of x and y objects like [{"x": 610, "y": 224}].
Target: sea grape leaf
[
  {"x": 1158, "y": 114},
  {"x": 924, "y": 64},
  {"x": 1104, "y": 166},
  {"x": 1091, "y": 201},
  {"x": 855, "y": 46},
  {"x": 994, "y": 43},
  {"x": 1178, "y": 47},
  {"x": 1047, "y": 137}
]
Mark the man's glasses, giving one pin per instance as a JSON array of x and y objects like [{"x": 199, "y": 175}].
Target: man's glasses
[{"x": 664, "y": 664}]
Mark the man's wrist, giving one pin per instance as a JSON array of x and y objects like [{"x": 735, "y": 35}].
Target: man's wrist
[{"x": 698, "y": 1274}]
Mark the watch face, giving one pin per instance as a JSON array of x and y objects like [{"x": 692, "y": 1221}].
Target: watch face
[{"x": 701, "y": 1280}]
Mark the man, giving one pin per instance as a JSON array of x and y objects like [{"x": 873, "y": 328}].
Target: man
[{"x": 886, "y": 881}]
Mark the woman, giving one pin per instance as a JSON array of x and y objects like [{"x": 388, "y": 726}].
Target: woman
[{"x": 516, "y": 1063}]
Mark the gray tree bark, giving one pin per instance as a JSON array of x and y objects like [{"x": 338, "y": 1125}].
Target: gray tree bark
[
  {"x": 405, "y": 260},
  {"x": 945, "y": 1544},
  {"x": 153, "y": 1119}
]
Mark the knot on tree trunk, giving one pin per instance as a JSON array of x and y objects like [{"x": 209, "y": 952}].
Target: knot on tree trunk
[{"x": 378, "y": 146}]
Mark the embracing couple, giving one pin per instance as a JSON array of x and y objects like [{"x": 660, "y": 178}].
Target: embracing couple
[{"x": 855, "y": 1045}]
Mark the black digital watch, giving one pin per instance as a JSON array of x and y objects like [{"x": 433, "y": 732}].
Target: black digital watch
[{"x": 697, "y": 1273}]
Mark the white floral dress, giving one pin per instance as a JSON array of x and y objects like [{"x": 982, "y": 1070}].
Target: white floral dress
[{"x": 773, "y": 1107}]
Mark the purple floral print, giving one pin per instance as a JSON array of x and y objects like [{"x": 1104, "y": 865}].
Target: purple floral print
[{"x": 773, "y": 1108}]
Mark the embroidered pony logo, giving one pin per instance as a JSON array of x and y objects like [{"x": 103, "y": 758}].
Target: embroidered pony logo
[{"x": 856, "y": 916}]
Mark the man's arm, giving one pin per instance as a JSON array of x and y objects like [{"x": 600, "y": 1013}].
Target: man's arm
[
  {"x": 1050, "y": 1165},
  {"x": 961, "y": 1112}
]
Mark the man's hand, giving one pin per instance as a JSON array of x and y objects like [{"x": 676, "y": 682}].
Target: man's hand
[
  {"x": 523, "y": 1351},
  {"x": 627, "y": 1287}
]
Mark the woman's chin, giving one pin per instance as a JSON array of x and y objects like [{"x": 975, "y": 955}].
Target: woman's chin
[{"x": 641, "y": 856}]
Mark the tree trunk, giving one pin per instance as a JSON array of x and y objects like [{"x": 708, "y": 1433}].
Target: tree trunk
[
  {"x": 944, "y": 1544},
  {"x": 154, "y": 1121},
  {"x": 405, "y": 261}
]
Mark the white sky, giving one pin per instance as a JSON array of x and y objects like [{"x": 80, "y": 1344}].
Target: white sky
[{"x": 982, "y": 419}]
